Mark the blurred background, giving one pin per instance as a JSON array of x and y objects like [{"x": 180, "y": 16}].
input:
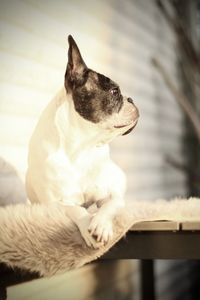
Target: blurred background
[{"x": 151, "y": 48}]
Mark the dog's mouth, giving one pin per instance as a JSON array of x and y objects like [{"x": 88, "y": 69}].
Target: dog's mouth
[
  {"x": 130, "y": 129},
  {"x": 126, "y": 125}
]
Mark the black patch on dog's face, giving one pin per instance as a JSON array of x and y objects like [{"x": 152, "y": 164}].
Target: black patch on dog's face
[{"x": 95, "y": 96}]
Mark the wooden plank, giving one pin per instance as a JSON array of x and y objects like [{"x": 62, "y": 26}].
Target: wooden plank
[
  {"x": 157, "y": 245},
  {"x": 194, "y": 226},
  {"x": 156, "y": 226}
]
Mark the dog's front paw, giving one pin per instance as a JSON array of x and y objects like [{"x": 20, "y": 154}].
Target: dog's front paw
[
  {"x": 83, "y": 226},
  {"x": 101, "y": 228}
]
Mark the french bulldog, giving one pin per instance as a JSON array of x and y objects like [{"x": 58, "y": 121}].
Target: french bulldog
[{"x": 69, "y": 159}]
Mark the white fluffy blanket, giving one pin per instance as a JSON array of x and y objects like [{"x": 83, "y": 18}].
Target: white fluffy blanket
[{"x": 41, "y": 238}]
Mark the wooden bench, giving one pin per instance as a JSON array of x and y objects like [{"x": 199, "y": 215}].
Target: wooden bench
[{"x": 147, "y": 241}]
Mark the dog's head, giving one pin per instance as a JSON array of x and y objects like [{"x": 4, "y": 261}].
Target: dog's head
[{"x": 96, "y": 97}]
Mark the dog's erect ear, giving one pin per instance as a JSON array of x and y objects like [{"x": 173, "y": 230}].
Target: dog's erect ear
[{"x": 76, "y": 66}]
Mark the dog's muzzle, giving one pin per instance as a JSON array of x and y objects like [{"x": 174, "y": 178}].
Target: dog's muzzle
[{"x": 135, "y": 116}]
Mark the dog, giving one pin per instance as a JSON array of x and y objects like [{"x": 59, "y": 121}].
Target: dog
[{"x": 69, "y": 159}]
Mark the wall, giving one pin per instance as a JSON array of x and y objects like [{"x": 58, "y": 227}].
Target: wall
[{"x": 116, "y": 38}]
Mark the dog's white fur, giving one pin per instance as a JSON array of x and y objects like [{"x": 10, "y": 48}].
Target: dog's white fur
[{"x": 69, "y": 162}]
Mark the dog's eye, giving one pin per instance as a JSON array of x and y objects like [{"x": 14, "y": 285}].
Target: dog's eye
[{"x": 114, "y": 91}]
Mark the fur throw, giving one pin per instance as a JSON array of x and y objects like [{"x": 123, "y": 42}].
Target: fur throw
[{"x": 40, "y": 238}]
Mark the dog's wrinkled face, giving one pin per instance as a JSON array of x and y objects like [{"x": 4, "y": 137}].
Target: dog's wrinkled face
[{"x": 96, "y": 97}]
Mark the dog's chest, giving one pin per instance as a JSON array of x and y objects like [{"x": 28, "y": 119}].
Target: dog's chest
[{"x": 83, "y": 174}]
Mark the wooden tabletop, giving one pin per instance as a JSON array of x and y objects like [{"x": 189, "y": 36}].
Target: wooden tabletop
[
  {"x": 159, "y": 240},
  {"x": 166, "y": 226}
]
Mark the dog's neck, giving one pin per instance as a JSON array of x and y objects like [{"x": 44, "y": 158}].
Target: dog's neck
[{"x": 75, "y": 133}]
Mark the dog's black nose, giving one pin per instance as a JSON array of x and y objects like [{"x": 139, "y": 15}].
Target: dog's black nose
[{"x": 130, "y": 100}]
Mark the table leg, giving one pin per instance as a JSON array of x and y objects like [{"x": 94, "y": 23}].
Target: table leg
[{"x": 147, "y": 279}]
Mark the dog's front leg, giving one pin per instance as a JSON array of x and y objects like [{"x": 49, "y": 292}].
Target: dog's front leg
[{"x": 112, "y": 180}]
